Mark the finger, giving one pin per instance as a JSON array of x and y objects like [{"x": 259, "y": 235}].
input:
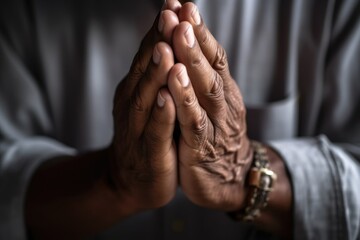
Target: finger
[
  {"x": 193, "y": 120},
  {"x": 162, "y": 29},
  {"x": 173, "y": 5},
  {"x": 145, "y": 93},
  {"x": 168, "y": 20},
  {"x": 210, "y": 47},
  {"x": 159, "y": 130},
  {"x": 207, "y": 83},
  {"x": 212, "y": 50},
  {"x": 160, "y": 150}
]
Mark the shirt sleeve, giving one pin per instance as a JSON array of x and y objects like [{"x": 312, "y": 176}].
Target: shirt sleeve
[
  {"x": 18, "y": 162},
  {"x": 25, "y": 121},
  {"x": 325, "y": 181},
  {"x": 325, "y": 171}
]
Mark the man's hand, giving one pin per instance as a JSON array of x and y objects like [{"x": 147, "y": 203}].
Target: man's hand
[
  {"x": 73, "y": 197},
  {"x": 143, "y": 166},
  {"x": 214, "y": 151}
]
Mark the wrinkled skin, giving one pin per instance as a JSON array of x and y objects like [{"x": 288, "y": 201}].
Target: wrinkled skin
[
  {"x": 171, "y": 83},
  {"x": 143, "y": 165},
  {"x": 197, "y": 91},
  {"x": 214, "y": 151}
]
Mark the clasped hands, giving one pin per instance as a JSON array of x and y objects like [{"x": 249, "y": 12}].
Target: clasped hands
[{"x": 180, "y": 75}]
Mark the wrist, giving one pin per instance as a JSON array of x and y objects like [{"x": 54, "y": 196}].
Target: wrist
[
  {"x": 69, "y": 196},
  {"x": 267, "y": 205},
  {"x": 124, "y": 203},
  {"x": 277, "y": 217},
  {"x": 260, "y": 181}
]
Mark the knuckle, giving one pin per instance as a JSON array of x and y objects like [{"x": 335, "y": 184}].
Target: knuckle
[
  {"x": 220, "y": 61},
  {"x": 190, "y": 100},
  {"x": 204, "y": 35},
  {"x": 216, "y": 88},
  {"x": 197, "y": 60},
  {"x": 199, "y": 124}
]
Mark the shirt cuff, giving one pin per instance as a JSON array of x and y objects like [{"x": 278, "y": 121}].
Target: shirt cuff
[
  {"x": 318, "y": 201},
  {"x": 18, "y": 162}
]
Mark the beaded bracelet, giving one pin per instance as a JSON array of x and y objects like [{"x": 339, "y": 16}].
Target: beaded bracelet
[{"x": 261, "y": 181}]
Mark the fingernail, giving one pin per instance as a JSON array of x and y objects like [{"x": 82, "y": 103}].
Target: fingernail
[
  {"x": 183, "y": 78},
  {"x": 196, "y": 16},
  {"x": 189, "y": 36},
  {"x": 161, "y": 22},
  {"x": 156, "y": 55},
  {"x": 160, "y": 100}
]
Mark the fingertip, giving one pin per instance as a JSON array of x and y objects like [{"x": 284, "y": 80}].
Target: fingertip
[
  {"x": 165, "y": 112},
  {"x": 163, "y": 97},
  {"x": 178, "y": 76},
  {"x": 181, "y": 28},
  {"x": 195, "y": 14},
  {"x": 165, "y": 48},
  {"x": 165, "y": 100},
  {"x": 190, "y": 12},
  {"x": 189, "y": 36},
  {"x": 177, "y": 68},
  {"x": 161, "y": 124},
  {"x": 181, "y": 89},
  {"x": 168, "y": 20},
  {"x": 182, "y": 76},
  {"x": 160, "y": 100},
  {"x": 156, "y": 55},
  {"x": 173, "y": 5},
  {"x": 163, "y": 53},
  {"x": 183, "y": 39},
  {"x": 206, "y": 41}
]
